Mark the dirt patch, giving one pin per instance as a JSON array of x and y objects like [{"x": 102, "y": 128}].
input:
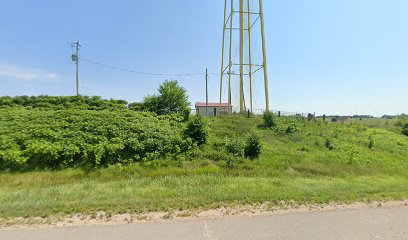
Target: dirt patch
[{"x": 265, "y": 209}]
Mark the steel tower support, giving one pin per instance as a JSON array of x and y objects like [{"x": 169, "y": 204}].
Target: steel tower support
[
  {"x": 246, "y": 65},
  {"x": 241, "y": 56},
  {"x": 250, "y": 56},
  {"x": 223, "y": 50},
  {"x": 231, "y": 19},
  {"x": 264, "y": 55}
]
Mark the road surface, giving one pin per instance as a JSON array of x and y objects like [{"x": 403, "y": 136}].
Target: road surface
[{"x": 380, "y": 223}]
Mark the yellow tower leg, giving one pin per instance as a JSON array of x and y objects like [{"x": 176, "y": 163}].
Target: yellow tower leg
[
  {"x": 250, "y": 56},
  {"x": 223, "y": 49},
  {"x": 230, "y": 59},
  {"x": 264, "y": 56},
  {"x": 241, "y": 54}
]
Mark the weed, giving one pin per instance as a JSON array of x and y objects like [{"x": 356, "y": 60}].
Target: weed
[
  {"x": 370, "y": 142},
  {"x": 235, "y": 147}
]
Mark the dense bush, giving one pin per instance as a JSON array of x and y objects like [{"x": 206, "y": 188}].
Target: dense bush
[
  {"x": 405, "y": 129},
  {"x": 73, "y": 138},
  {"x": 136, "y": 106},
  {"x": 269, "y": 119},
  {"x": 59, "y": 103},
  {"x": 197, "y": 130},
  {"x": 252, "y": 147}
]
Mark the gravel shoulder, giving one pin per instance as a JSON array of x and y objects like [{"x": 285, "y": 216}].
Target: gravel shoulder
[
  {"x": 261, "y": 210},
  {"x": 358, "y": 221}
]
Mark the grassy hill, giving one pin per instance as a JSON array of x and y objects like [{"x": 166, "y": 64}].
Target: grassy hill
[
  {"x": 301, "y": 161},
  {"x": 317, "y": 148}
]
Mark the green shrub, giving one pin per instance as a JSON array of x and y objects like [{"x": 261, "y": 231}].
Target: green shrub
[
  {"x": 197, "y": 130},
  {"x": 405, "y": 129},
  {"x": 370, "y": 142},
  {"x": 269, "y": 120},
  {"x": 235, "y": 147},
  {"x": 253, "y": 147},
  {"x": 329, "y": 145},
  {"x": 291, "y": 128}
]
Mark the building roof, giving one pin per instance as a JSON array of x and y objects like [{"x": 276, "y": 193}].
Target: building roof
[{"x": 202, "y": 104}]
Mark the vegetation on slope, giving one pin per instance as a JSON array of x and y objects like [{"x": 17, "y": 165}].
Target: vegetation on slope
[
  {"x": 301, "y": 147},
  {"x": 300, "y": 162},
  {"x": 118, "y": 160},
  {"x": 56, "y": 139}
]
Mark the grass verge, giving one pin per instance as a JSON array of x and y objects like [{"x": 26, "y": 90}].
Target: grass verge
[{"x": 71, "y": 191}]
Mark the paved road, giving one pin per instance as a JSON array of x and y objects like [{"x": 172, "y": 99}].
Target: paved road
[{"x": 362, "y": 224}]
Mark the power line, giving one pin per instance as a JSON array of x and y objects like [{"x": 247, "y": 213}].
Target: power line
[{"x": 139, "y": 72}]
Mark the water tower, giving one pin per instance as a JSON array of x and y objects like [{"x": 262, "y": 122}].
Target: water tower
[{"x": 243, "y": 32}]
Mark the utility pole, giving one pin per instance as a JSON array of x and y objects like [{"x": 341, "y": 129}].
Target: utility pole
[
  {"x": 75, "y": 58},
  {"x": 206, "y": 92}
]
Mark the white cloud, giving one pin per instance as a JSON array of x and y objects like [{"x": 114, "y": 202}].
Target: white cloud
[{"x": 27, "y": 74}]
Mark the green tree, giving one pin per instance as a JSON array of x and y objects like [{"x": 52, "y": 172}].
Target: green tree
[{"x": 171, "y": 99}]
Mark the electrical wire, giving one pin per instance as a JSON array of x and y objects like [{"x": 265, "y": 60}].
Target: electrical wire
[{"x": 139, "y": 72}]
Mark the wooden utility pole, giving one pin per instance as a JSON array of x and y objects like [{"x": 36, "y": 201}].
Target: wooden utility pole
[
  {"x": 75, "y": 58},
  {"x": 206, "y": 92}
]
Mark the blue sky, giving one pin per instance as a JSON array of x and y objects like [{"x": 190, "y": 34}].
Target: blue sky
[{"x": 334, "y": 57}]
